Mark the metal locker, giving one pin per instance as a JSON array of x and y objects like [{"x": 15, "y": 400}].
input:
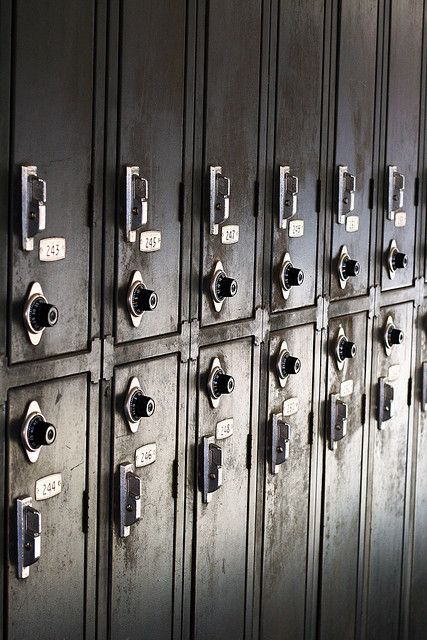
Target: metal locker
[
  {"x": 147, "y": 518},
  {"x": 354, "y": 150},
  {"x": 230, "y": 142},
  {"x": 388, "y": 472},
  {"x": 298, "y": 164},
  {"x": 51, "y": 177},
  {"x": 290, "y": 474},
  {"x": 401, "y": 131},
  {"x": 47, "y": 475},
  {"x": 150, "y": 170},
  {"x": 344, "y": 467},
  {"x": 224, "y": 512}
]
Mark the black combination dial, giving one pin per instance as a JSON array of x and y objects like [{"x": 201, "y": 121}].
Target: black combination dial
[
  {"x": 221, "y": 383},
  {"x": 140, "y": 406},
  {"x": 350, "y": 268},
  {"x": 399, "y": 260},
  {"x": 292, "y": 277},
  {"x": 40, "y": 433},
  {"x": 288, "y": 365},
  {"x": 41, "y": 314},
  {"x": 394, "y": 336},
  {"x": 225, "y": 287},
  {"x": 346, "y": 349},
  {"x": 143, "y": 299}
]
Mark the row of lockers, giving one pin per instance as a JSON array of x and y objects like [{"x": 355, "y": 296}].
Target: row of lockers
[{"x": 231, "y": 505}]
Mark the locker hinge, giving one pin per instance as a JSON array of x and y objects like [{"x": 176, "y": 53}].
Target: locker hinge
[
  {"x": 310, "y": 428},
  {"x": 181, "y": 202},
  {"x": 90, "y": 206},
  {"x": 256, "y": 198},
  {"x": 374, "y": 301},
  {"x": 322, "y": 313},
  {"x": 249, "y": 451},
  {"x": 371, "y": 194},
  {"x": 409, "y": 399},
  {"x": 318, "y": 195},
  {"x": 417, "y": 192},
  {"x": 363, "y": 409},
  {"x": 85, "y": 512},
  {"x": 175, "y": 479},
  {"x": 107, "y": 357}
]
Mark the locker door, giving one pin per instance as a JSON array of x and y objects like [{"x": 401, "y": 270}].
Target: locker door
[
  {"x": 49, "y": 603},
  {"x": 145, "y": 452},
  {"x": 52, "y": 142},
  {"x": 223, "y": 518},
  {"x": 402, "y": 139},
  {"x": 288, "y": 521},
  {"x": 150, "y": 168},
  {"x": 297, "y": 152},
  {"x": 355, "y": 86},
  {"x": 343, "y": 475},
  {"x": 389, "y": 454},
  {"x": 230, "y": 159}
]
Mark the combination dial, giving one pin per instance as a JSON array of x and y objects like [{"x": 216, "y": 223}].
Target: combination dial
[
  {"x": 137, "y": 405},
  {"x": 36, "y": 432},
  {"x": 139, "y": 299},
  {"x": 219, "y": 382},
  {"x": 39, "y": 314},
  {"x": 290, "y": 276},
  {"x": 222, "y": 286}
]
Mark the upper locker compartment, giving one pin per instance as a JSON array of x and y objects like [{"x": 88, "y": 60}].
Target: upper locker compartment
[
  {"x": 51, "y": 156},
  {"x": 297, "y": 155},
  {"x": 355, "y": 72},
  {"x": 149, "y": 176},
  {"x": 230, "y": 160},
  {"x": 401, "y": 128}
]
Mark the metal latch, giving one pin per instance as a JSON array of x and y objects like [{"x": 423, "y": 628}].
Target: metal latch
[
  {"x": 210, "y": 475},
  {"x": 396, "y": 188},
  {"x": 280, "y": 434},
  {"x": 33, "y": 206},
  {"x": 129, "y": 498},
  {"x": 346, "y": 191},
  {"x": 288, "y": 196},
  {"x": 136, "y": 202},
  {"x": 219, "y": 198},
  {"x": 338, "y": 419},
  {"x": 385, "y": 402},
  {"x": 29, "y": 528}
]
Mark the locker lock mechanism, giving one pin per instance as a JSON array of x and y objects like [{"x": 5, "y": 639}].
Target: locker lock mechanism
[
  {"x": 136, "y": 202},
  {"x": 346, "y": 191},
  {"x": 344, "y": 349},
  {"x": 338, "y": 418},
  {"x": 219, "y": 199},
  {"x": 36, "y": 432},
  {"x": 33, "y": 206},
  {"x": 392, "y": 336},
  {"x": 139, "y": 299},
  {"x": 29, "y": 529},
  {"x": 396, "y": 189},
  {"x": 290, "y": 276},
  {"x": 210, "y": 467},
  {"x": 38, "y": 313},
  {"x": 396, "y": 260},
  {"x": 287, "y": 365},
  {"x": 385, "y": 402},
  {"x": 280, "y": 434},
  {"x": 347, "y": 268},
  {"x": 137, "y": 405},
  {"x": 221, "y": 286},
  {"x": 129, "y": 498},
  {"x": 288, "y": 196},
  {"x": 219, "y": 383}
]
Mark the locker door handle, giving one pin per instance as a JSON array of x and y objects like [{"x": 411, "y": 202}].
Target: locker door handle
[
  {"x": 29, "y": 535},
  {"x": 385, "y": 402},
  {"x": 346, "y": 191},
  {"x": 33, "y": 208},
  {"x": 210, "y": 463},
  {"x": 338, "y": 420},
  {"x": 280, "y": 434},
  {"x": 219, "y": 198},
  {"x": 288, "y": 196},
  {"x": 136, "y": 202},
  {"x": 396, "y": 189},
  {"x": 129, "y": 498}
]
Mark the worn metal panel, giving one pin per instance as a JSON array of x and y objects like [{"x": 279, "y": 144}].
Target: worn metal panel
[
  {"x": 388, "y": 477},
  {"x": 151, "y": 135},
  {"x": 52, "y": 129},
  {"x": 50, "y": 602},
  {"x": 288, "y": 494},
  {"x": 143, "y": 564},
  {"x": 230, "y": 140}
]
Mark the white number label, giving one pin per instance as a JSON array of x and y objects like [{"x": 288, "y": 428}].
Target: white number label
[
  {"x": 224, "y": 429},
  {"x": 145, "y": 455},
  {"x": 346, "y": 388},
  {"x": 150, "y": 241},
  {"x": 296, "y": 228},
  {"x": 51, "y": 249},
  {"x": 290, "y": 406},
  {"x": 394, "y": 372},
  {"x": 352, "y": 224},
  {"x": 400, "y": 219},
  {"x": 230, "y": 234},
  {"x": 49, "y": 486}
]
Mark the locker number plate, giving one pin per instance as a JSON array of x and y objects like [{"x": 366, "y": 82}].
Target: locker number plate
[
  {"x": 346, "y": 388},
  {"x": 352, "y": 224},
  {"x": 394, "y": 372},
  {"x": 145, "y": 455},
  {"x": 51, "y": 249},
  {"x": 224, "y": 429},
  {"x": 49, "y": 486},
  {"x": 290, "y": 406},
  {"x": 230, "y": 234},
  {"x": 150, "y": 241},
  {"x": 296, "y": 228},
  {"x": 400, "y": 219}
]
